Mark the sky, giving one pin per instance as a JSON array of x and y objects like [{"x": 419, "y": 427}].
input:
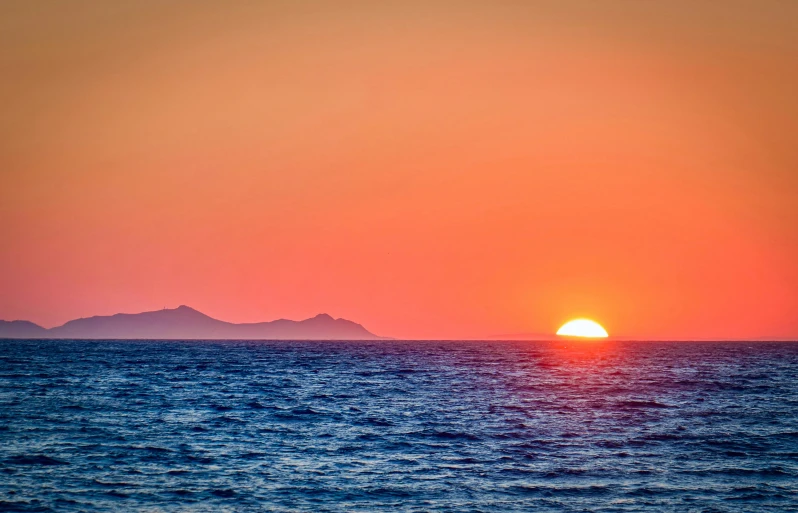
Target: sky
[{"x": 428, "y": 169}]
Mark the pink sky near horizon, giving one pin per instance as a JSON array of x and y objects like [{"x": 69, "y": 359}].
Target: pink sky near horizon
[{"x": 427, "y": 169}]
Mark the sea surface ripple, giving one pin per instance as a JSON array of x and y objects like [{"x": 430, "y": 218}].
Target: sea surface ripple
[{"x": 399, "y": 426}]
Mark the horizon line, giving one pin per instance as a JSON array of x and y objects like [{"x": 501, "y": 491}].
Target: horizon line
[{"x": 507, "y": 337}]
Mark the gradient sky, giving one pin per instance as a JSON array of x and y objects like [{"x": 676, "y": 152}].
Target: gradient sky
[{"x": 429, "y": 169}]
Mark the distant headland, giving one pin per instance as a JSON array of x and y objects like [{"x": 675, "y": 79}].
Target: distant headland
[{"x": 185, "y": 323}]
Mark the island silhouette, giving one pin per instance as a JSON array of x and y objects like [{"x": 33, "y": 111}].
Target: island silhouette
[{"x": 186, "y": 323}]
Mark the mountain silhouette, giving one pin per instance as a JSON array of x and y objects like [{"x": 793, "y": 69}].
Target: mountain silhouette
[
  {"x": 21, "y": 329},
  {"x": 186, "y": 323}
]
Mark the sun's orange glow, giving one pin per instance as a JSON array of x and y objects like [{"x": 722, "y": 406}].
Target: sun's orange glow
[
  {"x": 582, "y": 328},
  {"x": 432, "y": 170}
]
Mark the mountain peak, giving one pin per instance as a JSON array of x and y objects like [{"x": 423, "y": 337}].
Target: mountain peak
[{"x": 185, "y": 310}]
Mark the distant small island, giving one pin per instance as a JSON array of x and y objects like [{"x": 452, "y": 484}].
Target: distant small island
[{"x": 185, "y": 323}]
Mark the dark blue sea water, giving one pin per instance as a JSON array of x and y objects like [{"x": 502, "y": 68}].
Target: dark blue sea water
[{"x": 398, "y": 426}]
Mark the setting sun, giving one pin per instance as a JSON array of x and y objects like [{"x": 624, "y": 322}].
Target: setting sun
[{"x": 582, "y": 328}]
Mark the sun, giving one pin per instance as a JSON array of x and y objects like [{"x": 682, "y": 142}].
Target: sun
[{"x": 584, "y": 328}]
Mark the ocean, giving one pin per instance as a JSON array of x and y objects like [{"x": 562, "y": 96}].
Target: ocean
[{"x": 398, "y": 426}]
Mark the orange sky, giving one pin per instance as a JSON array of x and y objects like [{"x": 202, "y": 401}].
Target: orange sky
[{"x": 442, "y": 170}]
